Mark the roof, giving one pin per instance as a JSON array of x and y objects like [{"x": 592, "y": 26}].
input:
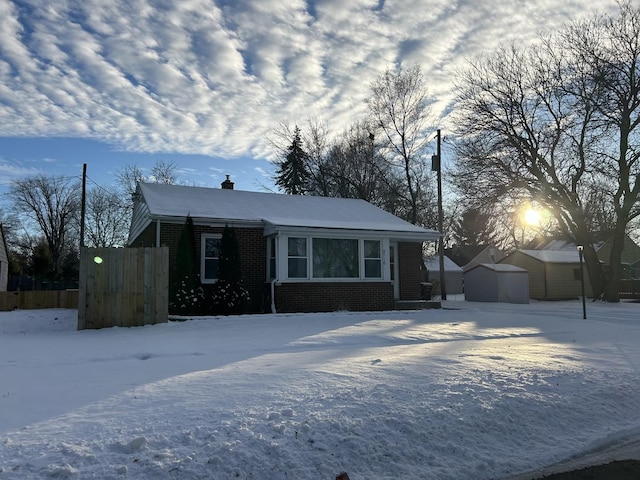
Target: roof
[
  {"x": 274, "y": 211},
  {"x": 433, "y": 263},
  {"x": 497, "y": 267},
  {"x": 553, "y": 256}
]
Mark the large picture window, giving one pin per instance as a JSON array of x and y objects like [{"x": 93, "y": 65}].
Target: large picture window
[
  {"x": 335, "y": 258},
  {"x": 297, "y": 257},
  {"x": 327, "y": 259},
  {"x": 210, "y": 258}
]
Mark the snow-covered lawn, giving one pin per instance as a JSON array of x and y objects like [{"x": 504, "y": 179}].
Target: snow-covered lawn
[{"x": 472, "y": 391}]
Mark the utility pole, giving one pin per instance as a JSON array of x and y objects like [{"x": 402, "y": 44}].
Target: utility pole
[
  {"x": 436, "y": 165},
  {"x": 83, "y": 203}
]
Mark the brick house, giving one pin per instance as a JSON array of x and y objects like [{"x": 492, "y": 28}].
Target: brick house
[{"x": 298, "y": 253}]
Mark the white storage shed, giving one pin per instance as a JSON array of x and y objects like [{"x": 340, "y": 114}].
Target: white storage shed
[
  {"x": 487, "y": 282},
  {"x": 452, "y": 273}
]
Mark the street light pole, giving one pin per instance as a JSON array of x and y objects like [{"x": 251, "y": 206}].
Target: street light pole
[{"x": 584, "y": 304}]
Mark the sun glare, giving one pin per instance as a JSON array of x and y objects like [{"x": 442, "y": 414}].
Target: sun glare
[{"x": 532, "y": 217}]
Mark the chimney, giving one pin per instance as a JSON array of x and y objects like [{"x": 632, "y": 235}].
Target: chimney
[{"x": 227, "y": 184}]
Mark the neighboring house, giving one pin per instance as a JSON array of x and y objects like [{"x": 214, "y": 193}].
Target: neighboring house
[
  {"x": 630, "y": 252},
  {"x": 472, "y": 255},
  {"x": 553, "y": 274},
  {"x": 4, "y": 262},
  {"x": 298, "y": 253},
  {"x": 452, "y": 273},
  {"x": 490, "y": 282}
]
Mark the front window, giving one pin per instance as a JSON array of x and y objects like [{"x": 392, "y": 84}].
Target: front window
[
  {"x": 372, "y": 259},
  {"x": 297, "y": 261},
  {"x": 210, "y": 258},
  {"x": 335, "y": 258}
]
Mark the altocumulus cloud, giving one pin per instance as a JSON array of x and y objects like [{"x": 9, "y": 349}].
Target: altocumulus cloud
[{"x": 214, "y": 77}]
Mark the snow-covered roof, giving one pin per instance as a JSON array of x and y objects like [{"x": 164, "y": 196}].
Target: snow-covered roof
[
  {"x": 554, "y": 256},
  {"x": 496, "y": 267},
  {"x": 565, "y": 245},
  {"x": 433, "y": 263},
  {"x": 274, "y": 211}
]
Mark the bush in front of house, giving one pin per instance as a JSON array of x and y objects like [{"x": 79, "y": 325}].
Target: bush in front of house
[
  {"x": 229, "y": 294},
  {"x": 186, "y": 293}
]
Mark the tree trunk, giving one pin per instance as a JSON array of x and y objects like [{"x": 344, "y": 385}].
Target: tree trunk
[{"x": 615, "y": 264}]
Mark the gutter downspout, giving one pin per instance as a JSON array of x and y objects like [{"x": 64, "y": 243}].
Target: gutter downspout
[{"x": 273, "y": 298}]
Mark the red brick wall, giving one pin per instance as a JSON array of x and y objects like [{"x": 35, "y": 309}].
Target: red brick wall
[
  {"x": 410, "y": 269},
  {"x": 252, "y": 245},
  {"x": 333, "y": 296}
]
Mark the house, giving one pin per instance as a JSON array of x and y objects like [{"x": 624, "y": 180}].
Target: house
[
  {"x": 630, "y": 251},
  {"x": 469, "y": 255},
  {"x": 298, "y": 253},
  {"x": 490, "y": 282},
  {"x": 553, "y": 274},
  {"x": 452, "y": 273}
]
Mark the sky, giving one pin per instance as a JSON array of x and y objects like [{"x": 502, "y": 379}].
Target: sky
[
  {"x": 471, "y": 391},
  {"x": 203, "y": 83}
]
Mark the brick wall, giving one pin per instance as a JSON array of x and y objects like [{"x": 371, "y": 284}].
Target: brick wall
[
  {"x": 410, "y": 269},
  {"x": 333, "y": 296},
  {"x": 252, "y": 245}
]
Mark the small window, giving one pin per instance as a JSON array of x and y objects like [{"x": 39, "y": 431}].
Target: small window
[
  {"x": 576, "y": 274},
  {"x": 210, "y": 258},
  {"x": 297, "y": 261},
  {"x": 272, "y": 258},
  {"x": 372, "y": 259}
]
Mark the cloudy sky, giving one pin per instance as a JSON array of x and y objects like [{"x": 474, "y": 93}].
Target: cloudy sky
[{"x": 203, "y": 82}]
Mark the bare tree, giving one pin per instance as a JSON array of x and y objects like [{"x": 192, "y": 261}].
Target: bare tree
[
  {"x": 399, "y": 110},
  {"x": 129, "y": 176},
  {"x": 53, "y": 204},
  {"x": 107, "y": 218},
  {"x": 557, "y": 124}
]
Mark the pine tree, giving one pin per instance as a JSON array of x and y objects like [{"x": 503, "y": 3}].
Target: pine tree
[
  {"x": 186, "y": 292},
  {"x": 230, "y": 296},
  {"x": 292, "y": 175},
  {"x": 474, "y": 227}
]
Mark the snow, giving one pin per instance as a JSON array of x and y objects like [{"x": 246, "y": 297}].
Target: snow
[
  {"x": 474, "y": 390},
  {"x": 276, "y": 210}
]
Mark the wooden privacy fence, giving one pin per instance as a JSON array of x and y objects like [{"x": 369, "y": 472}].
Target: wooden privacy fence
[
  {"x": 27, "y": 300},
  {"x": 123, "y": 287}
]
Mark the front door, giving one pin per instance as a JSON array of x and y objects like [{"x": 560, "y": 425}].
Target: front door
[{"x": 393, "y": 265}]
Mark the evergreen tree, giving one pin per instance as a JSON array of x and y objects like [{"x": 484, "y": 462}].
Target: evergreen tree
[
  {"x": 292, "y": 175},
  {"x": 186, "y": 292},
  {"x": 474, "y": 227},
  {"x": 230, "y": 296}
]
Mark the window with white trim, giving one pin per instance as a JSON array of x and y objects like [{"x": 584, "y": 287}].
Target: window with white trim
[
  {"x": 329, "y": 258},
  {"x": 272, "y": 258},
  {"x": 297, "y": 257},
  {"x": 372, "y": 259},
  {"x": 210, "y": 258}
]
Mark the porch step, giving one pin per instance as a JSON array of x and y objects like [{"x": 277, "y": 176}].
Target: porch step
[{"x": 417, "y": 304}]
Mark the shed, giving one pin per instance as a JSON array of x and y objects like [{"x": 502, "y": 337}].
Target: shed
[
  {"x": 488, "y": 282},
  {"x": 452, "y": 273}
]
